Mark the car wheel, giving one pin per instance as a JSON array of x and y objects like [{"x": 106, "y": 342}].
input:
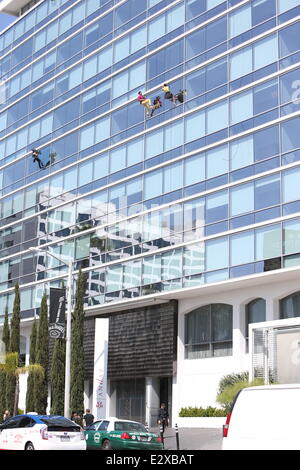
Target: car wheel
[
  {"x": 29, "y": 446},
  {"x": 106, "y": 445}
]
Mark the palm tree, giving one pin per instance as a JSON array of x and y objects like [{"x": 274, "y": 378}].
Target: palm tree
[{"x": 11, "y": 367}]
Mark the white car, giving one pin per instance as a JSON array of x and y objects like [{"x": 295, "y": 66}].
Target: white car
[
  {"x": 264, "y": 418},
  {"x": 41, "y": 432}
]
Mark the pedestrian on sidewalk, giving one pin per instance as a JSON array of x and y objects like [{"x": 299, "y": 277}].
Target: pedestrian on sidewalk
[
  {"x": 88, "y": 418},
  {"x": 163, "y": 416}
]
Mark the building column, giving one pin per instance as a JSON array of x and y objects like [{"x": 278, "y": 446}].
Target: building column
[
  {"x": 152, "y": 400},
  {"x": 238, "y": 334},
  {"x": 272, "y": 309}
]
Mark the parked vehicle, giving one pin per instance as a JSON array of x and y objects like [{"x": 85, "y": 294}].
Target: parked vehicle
[
  {"x": 113, "y": 433},
  {"x": 264, "y": 418},
  {"x": 41, "y": 432}
]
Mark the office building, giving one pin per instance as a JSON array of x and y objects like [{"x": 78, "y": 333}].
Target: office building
[{"x": 186, "y": 222}]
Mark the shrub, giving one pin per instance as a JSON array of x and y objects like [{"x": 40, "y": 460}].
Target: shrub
[
  {"x": 231, "y": 379},
  {"x": 228, "y": 394},
  {"x": 195, "y": 412}
]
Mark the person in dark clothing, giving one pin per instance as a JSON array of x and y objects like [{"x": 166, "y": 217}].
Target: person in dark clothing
[
  {"x": 163, "y": 416},
  {"x": 88, "y": 418},
  {"x": 156, "y": 104},
  {"x": 180, "y": 96},
  {"x": 36, "y": 158}
]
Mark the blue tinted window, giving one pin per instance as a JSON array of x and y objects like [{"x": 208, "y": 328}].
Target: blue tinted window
[
  {"x": 216, "y": 32},
  {"x": 194, "y": 8},
  {"x": 266, "y": 143},
  {"x": 240, "y": 21},
  {"x": 216, "y": 207},
  {"x": 216, "y": 74},
  {"x": 206, "y": 38},
  {"x": 195, "y": 43},
  {"x": 267, "y": 192},
  {"x": 289, "y": 39},
  {"x": 129, "y": 10},
  {"x": 242, "y": 199},
  {"x": 265, "y": 97},
  {"x": 153, "y": 184},
  {"x": 66, "y": 113},
  {"x": 290, "y": 134},
  {"x": 262, "y": 10},
  {"x": 290, "y": 183},
  {"x": 285, "y": 5},
  {"x": 289, "y": 87},
  {"x": 195, "y": 83},
  {"x": 165, "y": 59}
]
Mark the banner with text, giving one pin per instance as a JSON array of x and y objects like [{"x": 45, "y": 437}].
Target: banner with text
[
  {"x": 100, "y": 369},
  {"x": 57, "y": 313}
]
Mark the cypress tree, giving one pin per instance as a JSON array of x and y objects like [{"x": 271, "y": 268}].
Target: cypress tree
[
  {"x": 30, "y": 399},
  {"x": 42, "y": 353},
  {"x": 6, "y": 340},
  {"x": 14, "y": 347},
  {"x": 77, "y": 352},
  {"x": 6, "y": 332},
  {"x": 58, "y": 377},
  {"x": 15, "y": 323}
]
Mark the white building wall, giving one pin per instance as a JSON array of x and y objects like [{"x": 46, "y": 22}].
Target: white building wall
[
  {"x": 197, "y": 380},
  {"x": 25, "y": 331}
]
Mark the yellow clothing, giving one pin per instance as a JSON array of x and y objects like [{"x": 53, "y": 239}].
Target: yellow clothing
[{"x": 146, "y": 103}]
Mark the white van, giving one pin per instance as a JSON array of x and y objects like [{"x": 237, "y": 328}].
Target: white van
[{"x": 263, "y": 418}]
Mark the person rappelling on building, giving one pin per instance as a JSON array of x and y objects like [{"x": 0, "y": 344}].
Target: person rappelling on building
[
  {"x": 179, "y": 96},
  {"x": 36, "y": 158},
  {"x": 168, "y": 95},
  {"x": 156, "y": 104},
  {"x": 146, "y": 102}
]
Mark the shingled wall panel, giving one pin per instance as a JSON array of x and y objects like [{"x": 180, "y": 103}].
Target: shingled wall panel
[{"x": 142, "y": 342}]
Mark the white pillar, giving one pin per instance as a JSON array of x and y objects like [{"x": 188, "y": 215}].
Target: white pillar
[{"x": 152, "y": 400}]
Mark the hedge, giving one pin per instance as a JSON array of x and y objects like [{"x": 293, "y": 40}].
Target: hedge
[{"x": 195, "y": 412}]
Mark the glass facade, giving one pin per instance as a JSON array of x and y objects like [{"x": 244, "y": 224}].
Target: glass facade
[{"x": 200, "y": 192}]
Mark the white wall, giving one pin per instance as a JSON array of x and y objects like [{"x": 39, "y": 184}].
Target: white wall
[
  {"x": 25, "y": 331},
  {"x": 197, "y": 380}
]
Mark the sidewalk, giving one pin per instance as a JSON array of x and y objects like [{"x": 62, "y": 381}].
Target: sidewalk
[{"x": 193, "y": 438}]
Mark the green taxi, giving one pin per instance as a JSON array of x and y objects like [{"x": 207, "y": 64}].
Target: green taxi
[{"x": 117, "y": 434}]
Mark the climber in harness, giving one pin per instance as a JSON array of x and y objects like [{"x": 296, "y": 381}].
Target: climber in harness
[
  {"x": 36, "y": 158},
  {"x": 35, "y": 155},
  {"x": 167, "y": 92},
  {"x": 156, "y": 104},
  {"x": 180, "y": 96},
  {"x": 146, "y": 102}
]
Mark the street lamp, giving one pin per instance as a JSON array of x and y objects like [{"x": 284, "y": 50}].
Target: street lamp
[{"x": 68, "y": 329}]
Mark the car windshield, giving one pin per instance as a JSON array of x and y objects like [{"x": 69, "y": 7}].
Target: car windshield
[
  {"x": 60, "y": 423},
  {"x": 129, "y": 426}
]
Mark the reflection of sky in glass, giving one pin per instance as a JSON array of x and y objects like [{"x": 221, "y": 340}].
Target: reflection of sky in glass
[
  {"x": 2, "y": 92},
  {"x": 5, "y": 20}
]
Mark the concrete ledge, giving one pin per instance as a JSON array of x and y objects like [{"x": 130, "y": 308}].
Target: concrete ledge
[
  {"x": 200, "y": 422},
  {"x": 12, "y": 7}
]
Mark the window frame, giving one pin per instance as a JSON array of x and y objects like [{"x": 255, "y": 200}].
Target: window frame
[{"x": 209, "y": 341}]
